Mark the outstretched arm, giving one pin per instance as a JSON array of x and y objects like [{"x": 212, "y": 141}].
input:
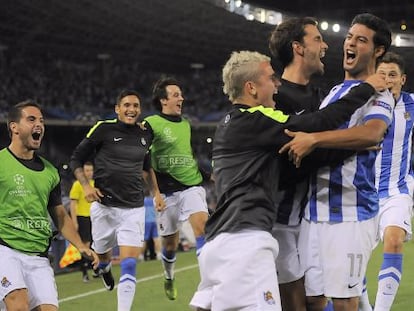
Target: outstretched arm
[
  {"x": 359, "y": 137},
  {"x": 337, "y": 113},
  {"x": 66, "y": 227}
]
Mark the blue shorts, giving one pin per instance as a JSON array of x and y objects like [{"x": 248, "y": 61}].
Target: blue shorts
[{"x": 151, "y": 231}]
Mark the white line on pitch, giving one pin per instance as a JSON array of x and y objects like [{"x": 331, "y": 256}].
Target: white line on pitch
[{"x": 148, "y": 278}]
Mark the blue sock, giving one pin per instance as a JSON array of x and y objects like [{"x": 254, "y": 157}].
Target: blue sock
[
  {"x": 103, "y": 265},
  {"x": 329, "y": 306},
  {"x": 391, "y": 261},
  {"x": 389, "y": 278},
  {"x": 129, "y": 267},
  {"x": 168, "y": 255},
  {"x": 200, "y": 240},
  {"x": 364, "y": 285},
  {"x": 168, "y": 262},
  {"x": 364, "y": 304}
]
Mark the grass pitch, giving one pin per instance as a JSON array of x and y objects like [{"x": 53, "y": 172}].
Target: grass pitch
[{"x": 75, "y": 295}]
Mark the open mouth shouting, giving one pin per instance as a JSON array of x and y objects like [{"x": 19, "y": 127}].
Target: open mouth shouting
[
  {"x": 349, "y": 56},
  {"x": 322, "y": 54},
  {"x": 37, "y": 134}
]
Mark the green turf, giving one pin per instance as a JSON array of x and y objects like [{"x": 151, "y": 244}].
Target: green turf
[{"x": 150, "y": 293}]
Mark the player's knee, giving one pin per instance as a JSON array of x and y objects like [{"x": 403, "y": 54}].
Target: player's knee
[
  {"x": 170, "y": 242},
  {"x": 394, "y": 244}
]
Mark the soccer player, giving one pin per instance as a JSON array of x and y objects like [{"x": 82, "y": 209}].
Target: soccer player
[
  {"x": 395, "y": 182},
  {"x": 178, "y": 174},
  {"x": 298, "y": 44},
  {"x": 339, "y": 228},
  {"x": 245, "y": 170},
  {"x": 80, "y": 214},
  {"x": 30, "y": 194},
  {"x": 119, "y": 148}
]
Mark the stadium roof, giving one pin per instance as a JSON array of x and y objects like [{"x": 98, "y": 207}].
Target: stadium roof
[
  {"x": 166, "y": 35},
  {"x": 394, "y": 12},
  {"x": 156, "y": 33}
]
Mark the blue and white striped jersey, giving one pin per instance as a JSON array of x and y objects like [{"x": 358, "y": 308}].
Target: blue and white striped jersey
[
  {"x": 393, "y": 165},
  {"x": 347, "y": 192}
]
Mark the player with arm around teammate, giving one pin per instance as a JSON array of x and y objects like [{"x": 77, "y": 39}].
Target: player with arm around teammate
[
  {"x": 343, "y": 203},
  {"x": 245, "y": 171}
]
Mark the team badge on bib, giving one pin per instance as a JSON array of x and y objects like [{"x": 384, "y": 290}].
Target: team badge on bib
[{"x": 268, "y": 298}]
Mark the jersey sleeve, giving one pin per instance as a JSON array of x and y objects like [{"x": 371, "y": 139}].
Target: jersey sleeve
[
  {"x": 381, "y": 107},
  {"x": 326, "y": 157},
  {"x": 87, "y": 146},
  {"x": 335, "y": 114}
]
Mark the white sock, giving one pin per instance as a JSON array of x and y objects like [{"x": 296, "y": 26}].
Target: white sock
[
  {"x": 388, "y": 281},
  {"x": 126, "y": 292},
  {"x": 387, "y": 290}
]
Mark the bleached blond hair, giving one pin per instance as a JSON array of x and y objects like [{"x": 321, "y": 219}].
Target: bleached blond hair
[{"x": 241, "y": 67}]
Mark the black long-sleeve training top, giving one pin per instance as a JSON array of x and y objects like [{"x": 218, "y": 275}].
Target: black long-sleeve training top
[
  {"x": 119, "y": 150},
  {"x": 246, "y": 162}
]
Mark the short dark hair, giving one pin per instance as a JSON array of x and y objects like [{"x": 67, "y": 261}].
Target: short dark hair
[
  {"x": 15, "y": 112},
  {"x": 391, "y": 57},
  {"x": 382, "y": 36},
  {"x": 126, "y": 92},
  {"x": 281, "y": 38},
  {"x": 159, "y": 90}
]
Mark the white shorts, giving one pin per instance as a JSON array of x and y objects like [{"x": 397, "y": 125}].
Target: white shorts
[
  {"x": 288, "y": 266},
  {"x": 335, "y": 256},
  {"x": 238, "y": 272},
  {"x": 179, "y": 206},
  {"x": 396, "y": 210},
  {"x": 18, "y": 270},
  {"x": 113, "y": 226}
]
